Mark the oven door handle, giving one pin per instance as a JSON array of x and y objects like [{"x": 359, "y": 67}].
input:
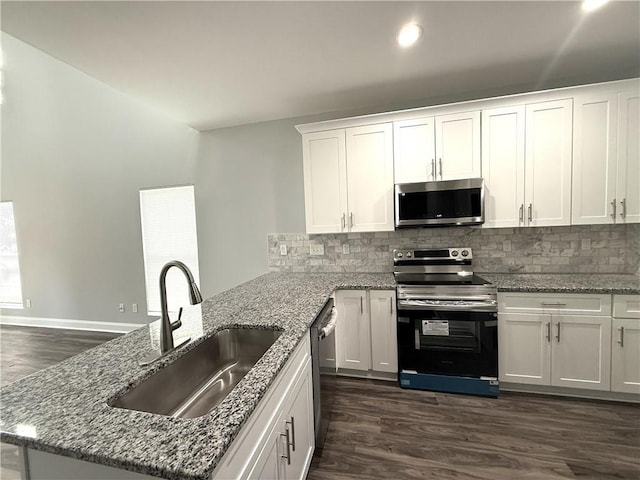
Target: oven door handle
[{"x": 476, "y": 307}]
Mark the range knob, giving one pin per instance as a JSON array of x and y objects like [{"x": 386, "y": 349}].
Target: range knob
[
  {"x": 465, "y": 253},
  {"x": 409, "y": 255},
  {"x": 454, "y": 253},
  {"x": 399, "y": 254}
]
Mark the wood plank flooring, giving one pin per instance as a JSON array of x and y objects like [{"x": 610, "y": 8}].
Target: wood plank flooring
[
  {"x": 24, "y": 351},
  {"x": 380, "y": 431}
]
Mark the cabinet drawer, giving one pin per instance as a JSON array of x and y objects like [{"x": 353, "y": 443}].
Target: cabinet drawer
[
  {"x": 626, "y": 306},
  {"x": 558, "y": 303}
]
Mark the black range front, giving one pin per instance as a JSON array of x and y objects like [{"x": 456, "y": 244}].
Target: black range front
[{"x": 447, "y": 332}]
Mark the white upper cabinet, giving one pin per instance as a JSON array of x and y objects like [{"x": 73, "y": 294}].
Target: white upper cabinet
[
  {"x": 325, "y": 181},
  {"x": 548, "y": 136},
  {"x": 594, "y": 158},
  {"x": 414, "y": 150},
  {"x": 628, "y": 178},
  {"x": 458, "y": 146},
  {"x": 445, "y": 147},
  {"x": 526, "y": 156},
  {"x": 503, "y": 166},
  {"x": 348, "y": 179},
  {"x": 370, "y": 178}
]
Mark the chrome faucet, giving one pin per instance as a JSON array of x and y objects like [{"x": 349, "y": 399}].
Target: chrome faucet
[{"x": 166, "y": 327}]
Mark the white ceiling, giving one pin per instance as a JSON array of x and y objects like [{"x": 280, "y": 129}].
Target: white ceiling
[{"x": 214, "y": 64}]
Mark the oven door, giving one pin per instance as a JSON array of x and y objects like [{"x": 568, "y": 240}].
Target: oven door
[{"x": 445, "y": 342}]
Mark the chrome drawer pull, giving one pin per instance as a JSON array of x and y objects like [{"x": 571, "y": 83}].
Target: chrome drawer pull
[
  {"x": 623, "y": 204},
  {"x": 548, "y": 331},
  {"x": 293, "y": 433},
  {"x": 546, "y": 304},
  {"x": 621, "y": 341},
  {"x": 558, "y": 336},
  {"x": 288, "y": 455},
  {"x": 613, "y": 204}
]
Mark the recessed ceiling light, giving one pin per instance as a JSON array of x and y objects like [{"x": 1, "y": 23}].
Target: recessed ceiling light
[
  {"x": 409, "y": 34},
  {"x": 591, "y": 5}
]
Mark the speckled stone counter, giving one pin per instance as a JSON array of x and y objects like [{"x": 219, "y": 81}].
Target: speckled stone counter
[
  {"x": 63, "y": 409},
  {"x": 564, "y": 283}
]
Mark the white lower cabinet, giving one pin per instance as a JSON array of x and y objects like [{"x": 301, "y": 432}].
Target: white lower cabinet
[
  {"x": 353, "y": 343},
  {"x": 366, "y": 331},
  {"x": 625, "y": 344},
  {"x": 581, "y": 352},
  {"x": 543, "y": 344}
]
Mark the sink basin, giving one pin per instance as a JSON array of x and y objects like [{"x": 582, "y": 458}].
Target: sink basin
[{"x": 199, "y": 380}]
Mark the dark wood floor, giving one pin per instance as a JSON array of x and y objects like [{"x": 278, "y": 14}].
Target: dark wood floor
[
  {"x": 24, "y": 351},
  {"x": 378, "y": 430}
]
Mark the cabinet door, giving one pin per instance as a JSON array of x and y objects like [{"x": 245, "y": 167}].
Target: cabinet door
[
  {"x": 353, "y": 343},
  {"x": 370, "y": 178},
  {"x": 270, "y": 465},
  {"x": 628, "y": 188},
  {"x": 414, "y": 150},
  {"x": 299, "y": 420},
  {"x": 384, "y": 344},
  {"x": 581, "y": 352},
  {"x": 594, "y": 158},
  {"x": 458, "y": 146},
  {"x": 524, "y": 348},
  {"x": 503, "y": 166},
  {"x": 325, "y": 181},
  {"x": 625, "y": 356},
  {"x": 548, "y": 163}
]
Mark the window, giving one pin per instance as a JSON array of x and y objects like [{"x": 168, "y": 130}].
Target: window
[
  {"x": 168, "y": 217},
  {"x": 10, "y": 284}
]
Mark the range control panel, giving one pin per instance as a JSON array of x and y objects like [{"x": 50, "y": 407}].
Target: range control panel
[{"x": 456, "y": 253}]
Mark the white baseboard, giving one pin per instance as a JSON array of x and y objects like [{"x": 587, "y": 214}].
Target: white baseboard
[{"x": 88, "y": 325}]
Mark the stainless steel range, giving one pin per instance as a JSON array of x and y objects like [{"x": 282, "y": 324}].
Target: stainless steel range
[{"x": 447, "y": 322}]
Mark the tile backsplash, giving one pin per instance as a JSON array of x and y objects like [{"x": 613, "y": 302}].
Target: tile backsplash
[{"x": 572, "y": 249}]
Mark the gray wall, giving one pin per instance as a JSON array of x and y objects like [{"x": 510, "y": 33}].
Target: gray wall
[
  {"x": 248, "y": 184},
  {"x": 75, "y": 152}
]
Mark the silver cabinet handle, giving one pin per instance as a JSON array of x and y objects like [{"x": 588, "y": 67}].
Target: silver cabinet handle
[
  {"x": 530, "y": 209},
  {"x": 521, "y": 213},
  {"x": 351, "y": 220},
  {"x": 433, "y": 169},
  {"x": 621, "y": 341},
  {"x": 361, "y": 307},
  {"x": 344, "y": 221},
  {"x": 557, "y": 304},
  {"x": 390, "y": 305},
  {"x": 293, "y": 433},
  {"x": 549, "y": 332},
  {"x": 613, "y": 204},
  {"x": 288, "y": 455},
  {"x": 623, "y": 205},
  {"x": 440, "y": 169},
  {"x": 558, "y": 335}
]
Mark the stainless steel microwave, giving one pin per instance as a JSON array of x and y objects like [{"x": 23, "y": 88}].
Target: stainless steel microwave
[{"x": 448, "y": 202}]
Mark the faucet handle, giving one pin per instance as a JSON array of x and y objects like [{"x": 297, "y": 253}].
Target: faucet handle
[{"x": 178, "y": 323}]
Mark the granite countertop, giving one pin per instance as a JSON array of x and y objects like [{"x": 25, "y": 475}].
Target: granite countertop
[
  {"x": 63, "y": 409},
  {"x": 564, "y": 283}
]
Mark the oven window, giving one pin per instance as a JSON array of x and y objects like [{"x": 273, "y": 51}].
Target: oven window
[{"x": 440, "y": 334}]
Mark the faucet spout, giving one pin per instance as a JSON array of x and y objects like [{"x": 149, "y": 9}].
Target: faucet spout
[{"x": 195, "y": 297}]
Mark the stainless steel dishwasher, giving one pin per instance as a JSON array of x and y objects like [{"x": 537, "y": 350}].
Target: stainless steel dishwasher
[{"x": 323, "y": 362}]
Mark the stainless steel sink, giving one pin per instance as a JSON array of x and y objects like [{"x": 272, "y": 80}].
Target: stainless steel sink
[{"x": 199, "y": 380}]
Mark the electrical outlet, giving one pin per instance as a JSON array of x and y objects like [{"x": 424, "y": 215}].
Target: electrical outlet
[
  {"x": 345, "y": 249},
  {"x": 134, "y": 307},
  {"x": 121, "y": 308},
  {"x": 316, "y": 249},
  {"x": 27, "y": 302},
  {"x": 283, "y": 249}
]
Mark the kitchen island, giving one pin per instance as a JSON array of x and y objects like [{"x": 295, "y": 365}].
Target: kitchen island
[{"x": 63, "y": 410}]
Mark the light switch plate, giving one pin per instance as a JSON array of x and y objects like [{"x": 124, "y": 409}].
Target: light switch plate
[
  {"x": 345, "y": 249},
  {"x": 316, "y": 249},
  {"x": 283, "y": 249}
]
